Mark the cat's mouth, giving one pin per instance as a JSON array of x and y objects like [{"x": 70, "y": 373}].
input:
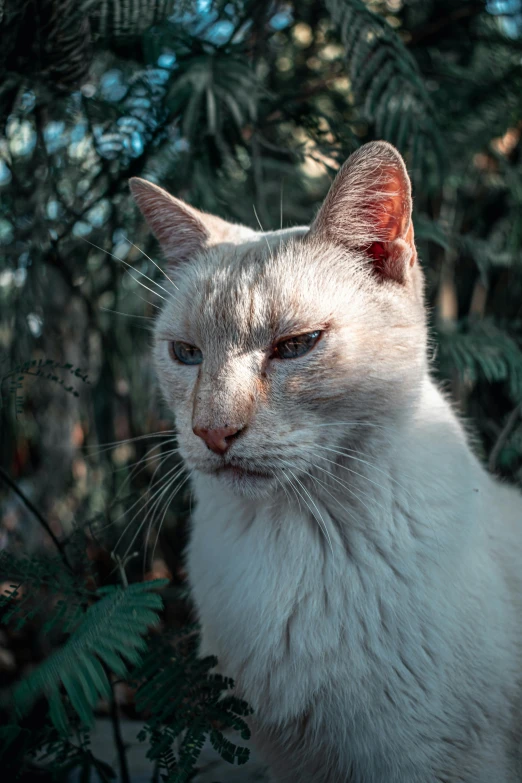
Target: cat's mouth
[{"x": 238, "y": 471}]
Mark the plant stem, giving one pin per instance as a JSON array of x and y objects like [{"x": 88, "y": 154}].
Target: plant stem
[
  {"x": 41, "y": 519},
  {"x": 120, "y": 565},
  {"x": 118, "y": 739},
  {"x": 503, "y": 437}
]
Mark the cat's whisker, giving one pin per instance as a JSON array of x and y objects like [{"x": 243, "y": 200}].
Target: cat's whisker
[
  {"x": 257, "y": 218},
  {"x": 163, "y": 457},
  {"x": 351, "y": 470},
  {"x": 152, "y": 262},
  {"x": 128, "y": 315},
  {"x": 146, "y": 458},
  {"x": 122, "y": 261},
  {"x": 373, "y": 482},
  {"x": 354, "y": 472},
  {"x": 349, "y": 453},
  {"x": 263, "y": 231},
  {"x": 113, "y": 444},
  {"x": 152, "y": 485},
  {"x": 173, "y": 494},
  {"x": 350, "y": 489},
  {"x": 151, "y": 513},
  {"x": 367, "y": 527},
  {"x": 144, "y": 504},
  {"x": 379, "y": 505},
  {"x": 319, "y": 519},
  {"x": 353, "y": 423},
  {"x": 169, "y": 501},
  {"x": 145, "y": 286},
  {"x": 147, "y": 301},
  {"x": 347, "y": 486},
  {"x": 281, "y": 199},
  {"x": 283, "y": 487},
  {"x": 324, "y": 487},
  {"x": 290, "y": 483}
]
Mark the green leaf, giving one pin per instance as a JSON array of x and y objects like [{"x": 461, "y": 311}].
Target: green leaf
[
  {"x": 57, "y": 714},
  {"x": 386, "y": 80},
  {"x": 430, "y": 230},
  {"x": 481, "y": 350},
  {"x": 111, "y": 630}
]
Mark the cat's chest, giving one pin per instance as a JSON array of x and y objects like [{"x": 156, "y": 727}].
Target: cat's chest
[
  {"x": 274, "y": 603},
  {"x": 251, "y": 578}
]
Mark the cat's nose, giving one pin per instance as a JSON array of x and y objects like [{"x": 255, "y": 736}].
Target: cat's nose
[{"x": 218, "y": 440}]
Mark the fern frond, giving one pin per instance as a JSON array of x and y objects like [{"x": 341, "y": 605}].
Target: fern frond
[
  {"x": 123, "y": 19},
  {"x": 386, "y": 79},
  {"x": 31, "y": 581},
  {"x": 111, "y": 633},
  {"x": 482, "y": 350},
  {"x": 186, "y": 700},
  {"x": 430, "y": 230},
  {"x": 64, "y": 756},
  {"x": 216, "y": 95}
]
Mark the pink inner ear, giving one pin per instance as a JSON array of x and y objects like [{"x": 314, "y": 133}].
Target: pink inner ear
[
  {"x": 379, "y": 255},
  {"x": 388, "y": 260},
  {"x": 369, "y": 208},
  {"x": 377, "y": 251},
  {"x": 391, "y": 213},
  {"x": 391, "y": 205}
]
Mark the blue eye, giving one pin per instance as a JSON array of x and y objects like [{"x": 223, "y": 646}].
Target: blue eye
[
  {"x": 297, "y": 346},
  {"x": 185, "y": 353}
]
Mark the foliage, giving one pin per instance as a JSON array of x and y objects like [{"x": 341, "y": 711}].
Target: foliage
[
  {"x": 246, "y": 109},
  {"x": 106, "y": 637},
  {"x": 386, "y": 80},
  {"x": 482, "y": 350},
  {"x": 38, "y": 576},
  {"x": 111, "y": 633},
  {"x": 182, "y": 692}
]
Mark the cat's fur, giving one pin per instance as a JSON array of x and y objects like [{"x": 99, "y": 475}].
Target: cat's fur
[{"x": 388, "y": 648}]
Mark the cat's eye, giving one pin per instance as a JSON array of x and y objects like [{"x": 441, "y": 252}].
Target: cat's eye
[
  {"x": 185, "y": 353},
  {"x": 296, "y": 346}
]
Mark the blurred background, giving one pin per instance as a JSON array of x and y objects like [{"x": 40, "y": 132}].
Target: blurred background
[{"x": 244, "y": 109}]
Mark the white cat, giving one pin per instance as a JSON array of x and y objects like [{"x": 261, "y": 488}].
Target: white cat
[{"x": 354, "y": 567}]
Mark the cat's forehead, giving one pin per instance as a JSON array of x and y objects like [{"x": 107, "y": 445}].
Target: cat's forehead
[{"x": 248, "y": 294}]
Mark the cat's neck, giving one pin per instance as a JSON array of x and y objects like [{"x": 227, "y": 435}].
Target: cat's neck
[{"x": 394, "y": 476}]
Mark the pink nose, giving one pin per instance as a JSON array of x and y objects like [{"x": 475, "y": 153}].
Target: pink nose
[{"x": 217, "y": 440}]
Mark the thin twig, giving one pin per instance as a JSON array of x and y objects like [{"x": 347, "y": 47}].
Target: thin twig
[
  {"x": 41, "y": 519},
  {"x": 118, "y": 737},
  {"x": 503, "y": 437},
  {"x": 114, "y": 712},
  {"x": 120, "y": 565}
]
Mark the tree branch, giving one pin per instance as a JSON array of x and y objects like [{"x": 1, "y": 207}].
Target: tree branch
[{"x": 41, "y": 519}]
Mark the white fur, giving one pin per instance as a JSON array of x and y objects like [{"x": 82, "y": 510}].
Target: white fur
[
  {"x": 367, "y": 599},
  {"x": 426, "y": 605}
]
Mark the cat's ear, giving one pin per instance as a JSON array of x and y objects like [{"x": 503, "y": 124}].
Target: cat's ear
[
  {"x": 181, "y": 230},
  {"x": 369, "y": 207}
]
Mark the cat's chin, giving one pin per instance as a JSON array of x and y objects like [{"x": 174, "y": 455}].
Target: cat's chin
[{"x": 242, "y": 481}]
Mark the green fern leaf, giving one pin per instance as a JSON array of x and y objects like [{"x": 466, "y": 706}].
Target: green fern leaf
[
  {"x": 111, "y": 632},
  {"x": 386, "y": 79},
  {"x": 480, "y": 350}
]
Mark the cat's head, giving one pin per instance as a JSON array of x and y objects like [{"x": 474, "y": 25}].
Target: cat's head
[{"x": 275, "y": 346}]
